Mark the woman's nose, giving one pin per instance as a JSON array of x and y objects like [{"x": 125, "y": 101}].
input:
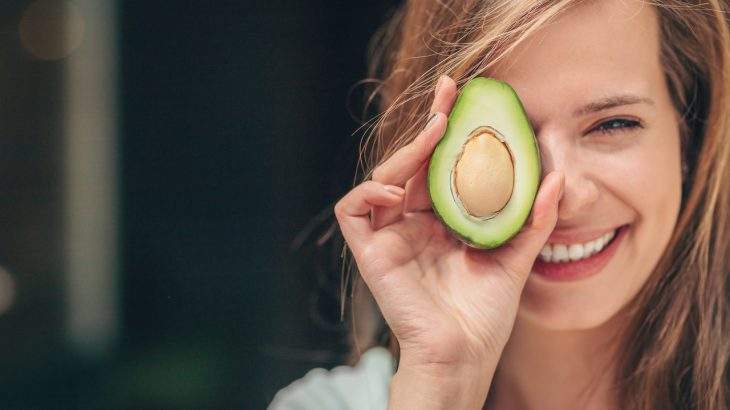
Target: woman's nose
[{"x": 581, "y": 190}]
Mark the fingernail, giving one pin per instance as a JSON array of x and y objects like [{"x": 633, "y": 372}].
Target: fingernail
[
  {"x": 431, "y": 121},
  {"x": 562, "y": 184},
  {"x": 395, "y": 189}
]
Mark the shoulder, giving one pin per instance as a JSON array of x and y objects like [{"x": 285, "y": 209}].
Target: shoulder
[{"x": 364, "y": 386}]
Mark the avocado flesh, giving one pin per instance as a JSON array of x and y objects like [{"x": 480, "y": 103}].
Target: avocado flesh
[{"x": 485, "y": 102}]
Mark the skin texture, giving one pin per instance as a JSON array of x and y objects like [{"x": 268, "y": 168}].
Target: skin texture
[
  {"x": 563, "y": 332},
  {"x": 451, "y": 307},
  {"x": 467, "y": 319}
]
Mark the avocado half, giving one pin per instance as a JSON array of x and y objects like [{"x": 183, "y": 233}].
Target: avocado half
[{"x": 484, "y": 173}]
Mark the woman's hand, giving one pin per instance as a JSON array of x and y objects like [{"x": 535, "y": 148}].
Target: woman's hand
[{"x": 451, "y": 307}]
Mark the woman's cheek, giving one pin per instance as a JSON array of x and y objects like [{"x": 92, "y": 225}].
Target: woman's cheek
[{"x": 645, "y": 169}]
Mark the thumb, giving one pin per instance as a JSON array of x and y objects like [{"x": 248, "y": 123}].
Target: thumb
[{"x": 529, "y": 242}]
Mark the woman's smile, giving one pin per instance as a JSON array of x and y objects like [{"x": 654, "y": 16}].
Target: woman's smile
[
  {"x": 568, "y": 257},
  {"x": 614, "y": 295},
  {"x": 611, "y": 127}
]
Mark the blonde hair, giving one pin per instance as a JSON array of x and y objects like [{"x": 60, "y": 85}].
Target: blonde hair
[{"x": 677, "y": 346}]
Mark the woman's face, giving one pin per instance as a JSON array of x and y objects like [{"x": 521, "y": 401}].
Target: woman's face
[{"x": 595, "y": 93}]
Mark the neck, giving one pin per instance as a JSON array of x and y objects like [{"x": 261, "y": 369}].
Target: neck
[{"x": 548, "y": 369}]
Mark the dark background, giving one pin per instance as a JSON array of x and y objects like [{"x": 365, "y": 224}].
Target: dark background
[{"x": 234, "y": 134}]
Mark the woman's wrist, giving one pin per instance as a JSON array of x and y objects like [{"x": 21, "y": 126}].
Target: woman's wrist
[{"x": 439, "y": 387}]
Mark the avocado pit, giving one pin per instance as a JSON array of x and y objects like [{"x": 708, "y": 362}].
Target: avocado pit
[{"x": 483, "y": 176}]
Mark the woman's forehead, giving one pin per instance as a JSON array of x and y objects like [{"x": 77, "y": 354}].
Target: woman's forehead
[{"x": 591, "y": 51}]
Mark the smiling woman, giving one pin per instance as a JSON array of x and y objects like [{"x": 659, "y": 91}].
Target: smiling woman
[{"x": 615, "y": 293}]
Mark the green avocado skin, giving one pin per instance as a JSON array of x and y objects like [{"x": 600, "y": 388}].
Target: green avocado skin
[{"x": 486, "y": 102}]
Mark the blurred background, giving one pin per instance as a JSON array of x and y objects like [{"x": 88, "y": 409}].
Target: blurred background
[{"x": 161, "y": 166}]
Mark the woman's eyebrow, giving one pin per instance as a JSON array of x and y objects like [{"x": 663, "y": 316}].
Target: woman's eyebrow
[{"x": 611, "y": 102}]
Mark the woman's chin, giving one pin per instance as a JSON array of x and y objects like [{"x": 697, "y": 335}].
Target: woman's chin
[
  {"x": 580, "y": 295},
  {"x": 563, "y": 314}
]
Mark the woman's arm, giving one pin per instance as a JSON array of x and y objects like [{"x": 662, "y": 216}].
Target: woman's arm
[{"x": 451, "y": 307}]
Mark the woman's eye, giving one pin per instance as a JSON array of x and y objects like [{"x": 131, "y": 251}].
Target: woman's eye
[{"x": 616, "y": 124}]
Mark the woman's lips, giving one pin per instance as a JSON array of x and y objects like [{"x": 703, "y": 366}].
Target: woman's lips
[{"x": 568, "y": 271}]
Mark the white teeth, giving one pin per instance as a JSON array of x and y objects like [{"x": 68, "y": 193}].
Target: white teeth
[
  {"x": 560, "y": 253},
  {"x": 546, "y": 253},
  {"x": 589, "y": 248},
  {"x": 598, "y": 244},
  {"x": 574, "y": 252}
]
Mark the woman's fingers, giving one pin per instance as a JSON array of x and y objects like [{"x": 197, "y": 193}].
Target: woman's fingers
[
  {"x": 406, "y": 162},
  {"x": 519, "y": 254},
  {"x": 417, "y": 198},
  {"x": 353, "y": 210},
  {"x": 445, "y": 95},
  {"x": 400, "y": 167}
]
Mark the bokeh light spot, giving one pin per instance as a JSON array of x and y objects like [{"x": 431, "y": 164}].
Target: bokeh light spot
[{"x": 51, "y": 29}]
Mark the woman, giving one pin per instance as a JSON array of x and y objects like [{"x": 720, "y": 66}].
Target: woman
[{"x": 629, "y": 103}]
